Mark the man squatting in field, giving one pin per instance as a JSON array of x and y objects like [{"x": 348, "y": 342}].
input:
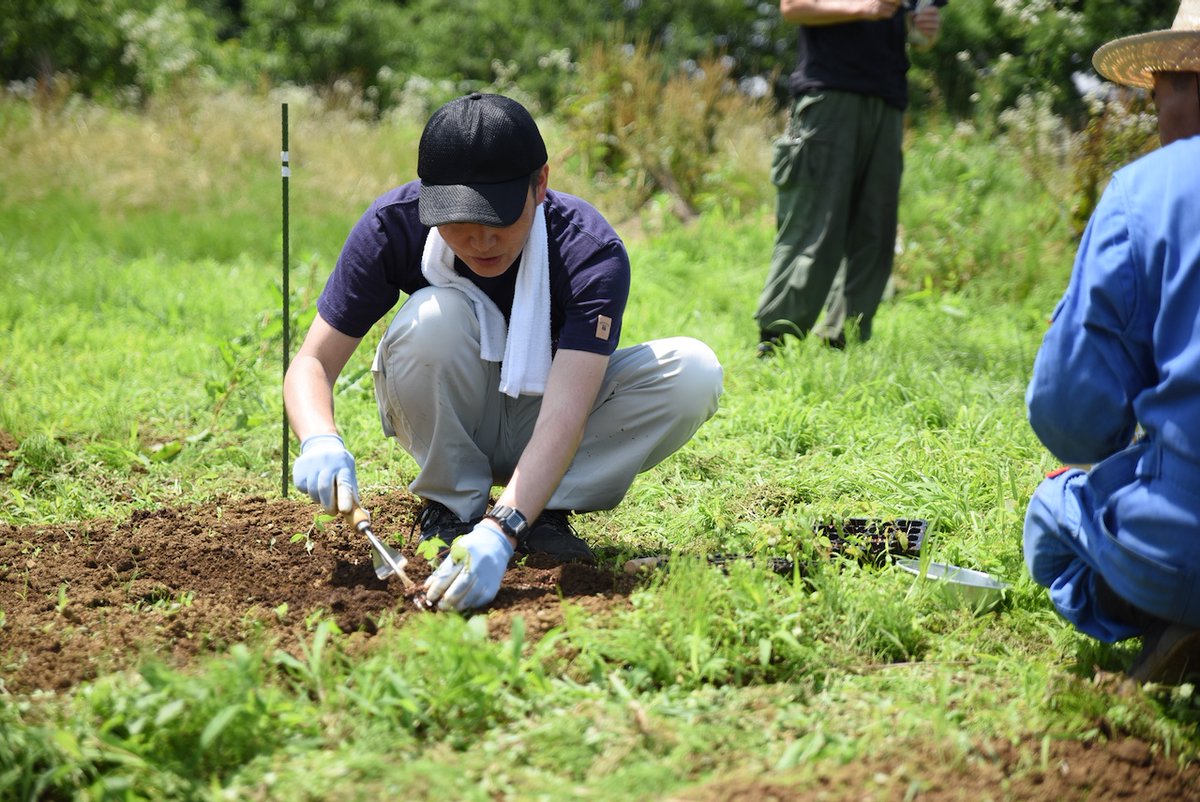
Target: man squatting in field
[
  {"x": 1118, "y": 543},
  {"x": 502, "y": 366}
]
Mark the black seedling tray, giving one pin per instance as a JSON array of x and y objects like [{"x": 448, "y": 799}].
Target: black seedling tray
[
  {"x": 869, "y": 540},
  {"x": 874, "y": 540}
]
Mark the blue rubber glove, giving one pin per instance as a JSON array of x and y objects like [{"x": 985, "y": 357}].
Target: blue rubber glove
[
  {"x": 470, "y": 575},
  {"x": 325, "y": 471}
]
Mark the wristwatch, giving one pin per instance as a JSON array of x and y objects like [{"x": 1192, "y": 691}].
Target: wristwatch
[{"x": 512, "y": 522}]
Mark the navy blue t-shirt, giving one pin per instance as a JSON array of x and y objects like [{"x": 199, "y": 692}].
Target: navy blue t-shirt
[
  {"x": 589, "y": 271},
  {"x": 867, "y": 58}
]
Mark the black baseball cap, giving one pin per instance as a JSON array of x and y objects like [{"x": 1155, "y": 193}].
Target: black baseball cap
[{"x": 475, "y": 158}]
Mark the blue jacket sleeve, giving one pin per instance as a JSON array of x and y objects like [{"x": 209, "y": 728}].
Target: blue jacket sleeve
[{"x": 1089, "y": 368}]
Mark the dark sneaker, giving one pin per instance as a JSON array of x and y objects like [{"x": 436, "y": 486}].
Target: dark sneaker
[
  {"x": 768, "y": 344},
  {"x": 552, "y": 534},
  {"x": 1170, "y": 653},
  {"x": 837, "y": 343},
  {"x": 437, "y": 521}
]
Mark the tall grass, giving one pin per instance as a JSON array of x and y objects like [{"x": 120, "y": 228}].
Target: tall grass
[{"x": 139, "y": 326}]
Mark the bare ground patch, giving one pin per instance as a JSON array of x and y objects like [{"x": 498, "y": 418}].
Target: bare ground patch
[{"x": 84, "y": 599}]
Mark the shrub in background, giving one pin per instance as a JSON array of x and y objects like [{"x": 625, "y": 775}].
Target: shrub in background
[
  {"x": 1118, "y": 130},
  {"x": 311, "y": 42},
  {"x": 665, "y": 131},
  {"x": 110, "y": 49},
  {"x": 990, "y": 52}
]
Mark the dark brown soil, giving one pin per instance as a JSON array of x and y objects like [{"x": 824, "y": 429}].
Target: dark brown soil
[
  {"x": 84, "y": 599},
  {"x": 88, "y": 598},
  {"x": 1072, "y": 771}
]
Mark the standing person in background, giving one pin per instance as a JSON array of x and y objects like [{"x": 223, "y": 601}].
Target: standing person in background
[
  {"x": 1118, "y": 542},
  {"x": 837, "y": 167},
  {"x": 502, "y": 366}
]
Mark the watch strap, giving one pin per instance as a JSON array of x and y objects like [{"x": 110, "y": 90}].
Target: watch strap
[{"x": 511, "y": 521}]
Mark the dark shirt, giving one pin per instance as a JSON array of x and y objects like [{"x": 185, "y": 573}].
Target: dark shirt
[
  {"x": 589, "y": 271},
  {"x": 867, "y": 58}
]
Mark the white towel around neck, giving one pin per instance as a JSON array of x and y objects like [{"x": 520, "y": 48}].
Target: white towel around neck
[{"x": 523, "y": 347}]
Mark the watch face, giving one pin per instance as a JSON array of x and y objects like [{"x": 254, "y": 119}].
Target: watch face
[{"x": 511, "y": 521}]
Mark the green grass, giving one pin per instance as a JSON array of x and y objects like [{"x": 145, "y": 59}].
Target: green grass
[{"x": 140, "y": 326}]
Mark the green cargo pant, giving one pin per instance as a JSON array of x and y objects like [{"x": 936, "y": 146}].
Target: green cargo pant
[{"x": 837, "y": 170}]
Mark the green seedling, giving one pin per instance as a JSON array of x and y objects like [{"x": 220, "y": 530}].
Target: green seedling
[
  {"x": 169, "y": 606},
  {"x": 429, "y": 549},
  {"x": 318, "y": 525}
]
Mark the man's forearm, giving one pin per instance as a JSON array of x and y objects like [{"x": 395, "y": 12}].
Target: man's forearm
[
  {"x": 308, "y": 385},
  {"x": 542, "y": 466},
  {"x": 833, "y": 12},
  {"x": 571, "y": 389},
  {"x": 308, "y": 398}
]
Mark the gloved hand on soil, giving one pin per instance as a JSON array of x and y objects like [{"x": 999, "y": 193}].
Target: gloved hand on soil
[
  {"x": 470, "y": 575},
  {"x": 325, "y": 469}
]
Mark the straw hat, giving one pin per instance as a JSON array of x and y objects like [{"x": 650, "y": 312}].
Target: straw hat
[{"x": 1132, "y": 60}]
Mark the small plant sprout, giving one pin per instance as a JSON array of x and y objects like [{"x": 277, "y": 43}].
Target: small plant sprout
[
  {"x": 429, "y": 549},
  {"x": 318, "y": 525}
]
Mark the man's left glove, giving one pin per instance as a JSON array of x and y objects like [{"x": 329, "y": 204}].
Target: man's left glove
[
  {"x": 325, "y": 469},
  {"x": 470, "y": 575}
]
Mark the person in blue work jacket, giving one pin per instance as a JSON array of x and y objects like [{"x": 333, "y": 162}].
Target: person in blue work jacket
[{"x": 1115, "y": 537}]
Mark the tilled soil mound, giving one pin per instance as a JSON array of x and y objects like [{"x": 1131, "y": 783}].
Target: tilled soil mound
[{"x": 84, "y": 599}]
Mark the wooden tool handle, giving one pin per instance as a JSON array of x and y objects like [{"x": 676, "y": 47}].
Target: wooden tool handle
[
  {"x": 357, "y": 515},
  {"x": 639, "y": 564}
]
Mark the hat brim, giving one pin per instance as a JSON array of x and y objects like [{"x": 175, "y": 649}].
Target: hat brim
[
  {"x": 487, "y": 204},
  {"x": 1133, "y": 60}
]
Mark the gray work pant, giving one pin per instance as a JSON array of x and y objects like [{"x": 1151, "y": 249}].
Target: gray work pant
[
  {"x": 440, "y": 401},
  {"x": 837, "y": 171}
]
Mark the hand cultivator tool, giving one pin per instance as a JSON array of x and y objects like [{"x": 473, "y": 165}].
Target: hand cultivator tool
[{"x": 387, "y": 560}]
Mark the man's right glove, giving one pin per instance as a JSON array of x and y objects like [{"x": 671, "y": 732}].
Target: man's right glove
[
  {"x": 470, "y": 576},
  {"x": 325, "y": 469}
]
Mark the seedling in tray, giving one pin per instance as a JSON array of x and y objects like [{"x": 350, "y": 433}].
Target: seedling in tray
[
  {"x": 867, "y": 539},
  {"x": 873, "y": 540}
]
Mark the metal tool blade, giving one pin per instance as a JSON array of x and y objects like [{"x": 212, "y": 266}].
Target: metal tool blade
[{"x": 386, "y": 560}]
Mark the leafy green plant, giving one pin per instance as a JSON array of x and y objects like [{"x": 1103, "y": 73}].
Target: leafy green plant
[
  {"x": 429, "y": 549},
  {"x": 38, "y": 457},
  {"x": 319, "y": 522},
  {"x": 313, "y": 670},
  {"x": 664, "y": 130},
  {"x": 443, "y": 677},
  {"x": 1117, "y": 132}
]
